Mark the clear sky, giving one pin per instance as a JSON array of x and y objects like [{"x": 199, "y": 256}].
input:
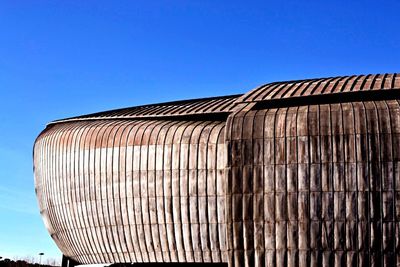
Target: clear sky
[{"x": 66, "y": 58}]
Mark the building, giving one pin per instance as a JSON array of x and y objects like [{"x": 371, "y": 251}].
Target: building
[{"x": 294, "y": 173}]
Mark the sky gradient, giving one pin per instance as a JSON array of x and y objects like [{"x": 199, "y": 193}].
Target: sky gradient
[{"x": 65, "y": 58}]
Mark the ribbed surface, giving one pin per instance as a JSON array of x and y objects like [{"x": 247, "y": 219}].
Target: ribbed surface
[
  {"x": 202, "y": 106},
  {"x": 315, "y": 185},
  {"x": 134, "y": 191},
  {"x": 300, "y": 174},
  {"x": 326, "y": 86}
]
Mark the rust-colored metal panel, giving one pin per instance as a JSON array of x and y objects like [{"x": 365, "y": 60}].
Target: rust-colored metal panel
[{"x": 298, "y": 173}]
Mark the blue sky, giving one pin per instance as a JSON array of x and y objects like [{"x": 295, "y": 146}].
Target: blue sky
[{"x": 66, "y": 58}]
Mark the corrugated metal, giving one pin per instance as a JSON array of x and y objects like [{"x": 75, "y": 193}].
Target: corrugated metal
[{"x": 325, "y": 86}]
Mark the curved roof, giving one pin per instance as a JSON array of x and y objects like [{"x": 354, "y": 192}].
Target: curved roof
[
  {"x": 355, "y": 88},
  {"x": 213, "y": 105},
  {"x": 324, "y": 86}
]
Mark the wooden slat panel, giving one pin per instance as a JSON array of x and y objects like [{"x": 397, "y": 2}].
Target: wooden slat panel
[
  {"x": 296, "y": 185},
  {"x": 119, "y": 190},
  {"x": 329, "y": 176},
  {"x": 303, "y": 88}
]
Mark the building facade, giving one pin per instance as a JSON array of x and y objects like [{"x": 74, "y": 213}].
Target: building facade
[{"x": 294, "y": 173}]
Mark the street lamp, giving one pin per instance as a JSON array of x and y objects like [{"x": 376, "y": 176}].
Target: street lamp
[{"x": 40, "y": 257}]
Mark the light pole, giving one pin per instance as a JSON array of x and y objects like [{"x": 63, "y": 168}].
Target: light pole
[{"x": 40, "y": 257}]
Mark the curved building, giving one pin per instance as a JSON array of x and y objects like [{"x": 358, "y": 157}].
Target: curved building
[{"x": 297, "y": 173}]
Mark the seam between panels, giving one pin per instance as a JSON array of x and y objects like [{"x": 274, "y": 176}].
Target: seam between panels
[
  {"x": 369, "y": 185},
  {"x": 394, "y": 178},
  {"x": 345, "y": 167},
  {"x": 356, "y": 249},
  {"x": 150, "y": 245},
  {"x": 68, "y": 209},
  {"x": 245, "y": 259},
  {"x": 255, "y": 168},
  {"x": 98, "y": 199},
  {"x": 105, "y": 137},
  {"x": 380, "y": 166},
  {"x": 72, "y": 146},
  {"x": 163, "y": 143},
  {"x": 373, "y": 134},
  {"x": 160, "y": 129},
  {"x": 285, "y": 188},
  {"x": 44, "y": 144},
  {"x": 205, "y": 177},
  {"x": 177, "y": 171},
  {"x": 202, "y": 126},
  {"x": 188, "y": 188},
  {"x": 70, "y": 175},
  {"x": 113, "y": 133},
  {"x": 166, "y": 128},
  {"x": 54, "y": 145},
  {"x": 263, "y": 185},
  {"x": 109, "y": 127},
  {"x": 274, "y": 183},
  {"x": 297, "y": 181},
  {"x": 308, "y": 254},
  {"x": 253, "y": 195},
  {"x": 159, "y": 126},
  {"x": 89, "y": 133},
  {"x": 392, "y": 259},
  {"x": 76, "y": 173},
  {"x": 319, "y": 213},
  {"x": 394, "y": 184},
  {"x": 208, "y": 228},
  {"x": 154, "y": 131},
  {"x": 68, "y": 170},
  {"x": 191, "y": 233},
  {"x": 169, "y": 139},
  {"x": 92, "y": 199},
  {"x": 230, "y": 199},
  {"x": 218, "y": 245},
  {"x": 133, "y": 128},
  {"x": 331, "y": 178},
  {"x": 99, "y": 134},
  {"x": 64, "y": 151},
  {"x": 122, "y": 130},
  {"x": 228, "y": 189},
  {"x": 117, "y": 138},
  {"x": 230, "y": 250},
  {"x": 93, "y": 128},
  {"x": 306, "y": 87},
  {"x": 132, "y": 137},
  {"x": 122, "y": 176},
  {"x": 81, "y": 174},
  {"x": 141, "y": 136},
  {"x": 49, "y": 144}
]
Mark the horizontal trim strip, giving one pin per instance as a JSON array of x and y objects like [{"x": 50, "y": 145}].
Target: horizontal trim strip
[{"x": 344, "y": 97}]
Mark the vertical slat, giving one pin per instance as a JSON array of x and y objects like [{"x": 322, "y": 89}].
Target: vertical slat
[{"x": 308, "y": 185}]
